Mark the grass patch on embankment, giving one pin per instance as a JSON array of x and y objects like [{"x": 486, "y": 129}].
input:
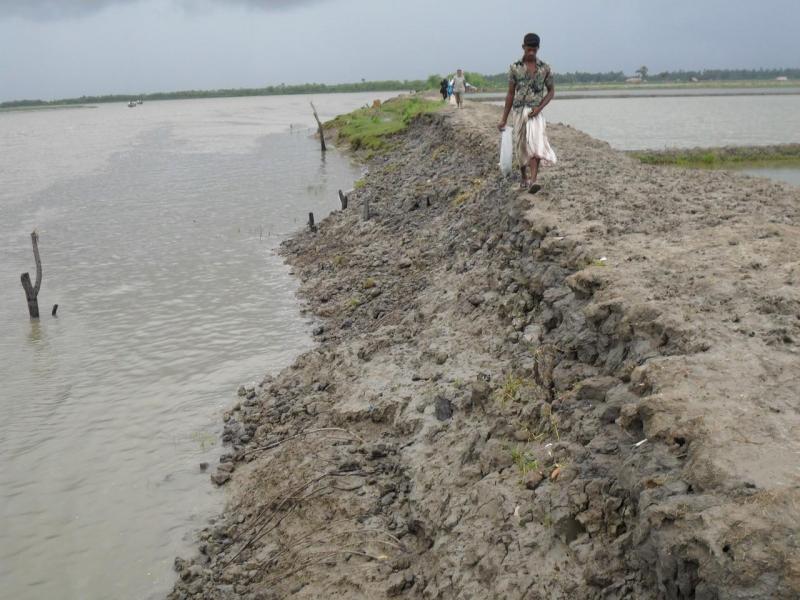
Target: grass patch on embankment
[
  {"x": 726, "y": 157},
  {"x": 370, "y": 127}
]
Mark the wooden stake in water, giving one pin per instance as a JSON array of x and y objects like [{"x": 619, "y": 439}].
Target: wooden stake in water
[
  {"x": 319, "y": 127},
  {"x": 32, "y": 291},
  {"x": 311, "y": 225}
]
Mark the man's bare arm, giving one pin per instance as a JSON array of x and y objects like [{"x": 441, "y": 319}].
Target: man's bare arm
[
  {"x": 512, "y": 87},
  {"x": 551, "y": 92}
]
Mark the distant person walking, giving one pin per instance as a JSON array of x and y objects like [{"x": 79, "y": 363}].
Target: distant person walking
[
  {"x": 443, "y": 89},
  {"x": 459, "y": 87},
  {"x": 530, "y": 89}
]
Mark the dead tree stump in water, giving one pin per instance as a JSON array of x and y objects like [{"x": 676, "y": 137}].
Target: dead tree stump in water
[
  {"x": 319, "y": 127},
  {"x": 32, "y": 291},
  {"x": 343, "y": 199}
]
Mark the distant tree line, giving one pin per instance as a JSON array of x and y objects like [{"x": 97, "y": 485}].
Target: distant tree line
[
  {"x": 727, "y": 74},
  {"x": 271, "y": 90},
  {"x": 497, "y": 81},
  {"x": 579, "y": 77},
  {"x": 501, "y": 79}
]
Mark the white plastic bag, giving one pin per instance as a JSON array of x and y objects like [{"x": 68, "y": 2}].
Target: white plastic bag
[{"x": 506, "y": 150}]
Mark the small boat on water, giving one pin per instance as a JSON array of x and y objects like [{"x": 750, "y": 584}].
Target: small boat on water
[
  {"x": 131, "y": 104},
  {"x": 139, "y": 101}
]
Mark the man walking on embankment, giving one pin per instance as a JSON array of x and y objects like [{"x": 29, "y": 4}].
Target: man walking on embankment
[{"x": 530, "y": 89}]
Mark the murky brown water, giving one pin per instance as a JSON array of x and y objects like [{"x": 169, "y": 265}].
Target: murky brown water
[
  {"x": 703, "y": 121},
  {"x": 158, "y": 226},
  {"x": 726, "y": 119},
  {"x": 657, "y": 123},
  {"x": 787, "y": 174}
]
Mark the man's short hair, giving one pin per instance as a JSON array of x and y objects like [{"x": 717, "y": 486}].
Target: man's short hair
[{"x": 531, "y": 39}]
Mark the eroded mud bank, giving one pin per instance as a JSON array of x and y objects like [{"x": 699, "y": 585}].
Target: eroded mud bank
[{"x": 589, "y": 393}]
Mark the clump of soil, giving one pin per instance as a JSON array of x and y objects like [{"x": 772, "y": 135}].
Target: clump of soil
[{"x": 587, "y": 393}]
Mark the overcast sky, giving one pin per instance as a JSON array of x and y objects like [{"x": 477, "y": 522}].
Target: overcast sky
[{"x": 62, "y": 48}]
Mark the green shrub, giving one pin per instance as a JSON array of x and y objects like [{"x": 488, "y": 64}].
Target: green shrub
[{"x": 368, "y": 128}]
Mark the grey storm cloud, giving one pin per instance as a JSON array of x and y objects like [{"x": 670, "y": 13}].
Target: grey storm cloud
[
  {"x": 54, "y": 9},
  {"x": 61, "y": 9}
]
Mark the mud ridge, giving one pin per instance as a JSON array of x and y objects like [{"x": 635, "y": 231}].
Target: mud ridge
[{"x": 588, "y": 393}]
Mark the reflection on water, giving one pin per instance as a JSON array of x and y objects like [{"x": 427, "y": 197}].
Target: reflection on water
[
  {"x": 158, "y": 227},
  {"x": 35, "y": 335},
  {"x": 787, "y": 174}
]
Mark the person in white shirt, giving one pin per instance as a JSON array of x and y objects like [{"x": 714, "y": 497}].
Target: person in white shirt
[{"x": 459, "y": 87}]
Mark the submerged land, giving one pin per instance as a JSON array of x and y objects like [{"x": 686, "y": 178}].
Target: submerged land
[
  {"x": 586, "y": 393},
  {"x": 724, "y": 157}
]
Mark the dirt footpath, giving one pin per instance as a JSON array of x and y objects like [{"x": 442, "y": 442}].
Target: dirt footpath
[{"x": 587, "y": 393}]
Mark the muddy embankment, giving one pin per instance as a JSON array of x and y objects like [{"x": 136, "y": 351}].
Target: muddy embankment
[{"x": 588, "y": 393}]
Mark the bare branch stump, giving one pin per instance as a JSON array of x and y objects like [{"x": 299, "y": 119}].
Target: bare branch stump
[
  {"x": 319, "y": 127},
  {"x": 33, "y": 303},
  {"x": 32, "y": 291}
]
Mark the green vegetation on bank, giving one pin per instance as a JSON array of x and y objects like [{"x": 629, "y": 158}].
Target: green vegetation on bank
[
  {"x": 369, "y": 127},
  {"x": 729, "y": 156}
]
